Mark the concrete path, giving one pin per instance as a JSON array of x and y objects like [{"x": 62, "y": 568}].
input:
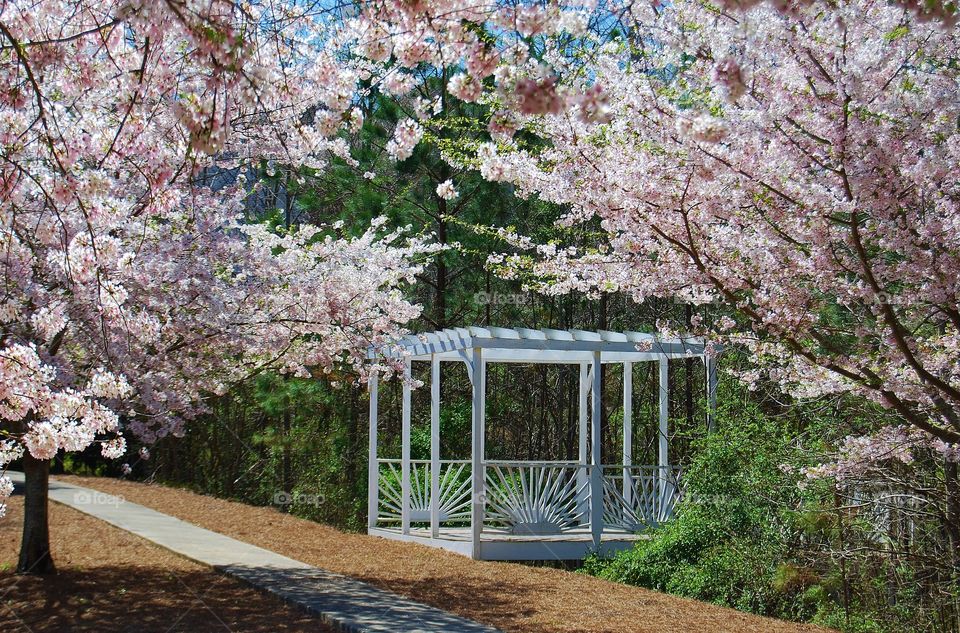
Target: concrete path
[{"x": 348, "y": 605}]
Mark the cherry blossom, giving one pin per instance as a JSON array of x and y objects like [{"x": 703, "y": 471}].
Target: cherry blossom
[
  {"x": 924, "y": 11},
  {"x": 538, "y": 96},
  {"x": 397, "y": 84},
  {"x": 465, "y": 87},
  {"x": 446, "y": 190},
  {"x": 859, "y": 457},
  {"x": 135, "y": 284},
  {"x": 405, "y": 137},
  {"x": 797, "y": 165},
  {"x": 6, "y": 489},
  {"x": 115, "y": 448}
]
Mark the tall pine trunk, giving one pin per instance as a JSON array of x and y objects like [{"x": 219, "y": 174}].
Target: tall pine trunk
[
  {"x": 35, "y": 548},
  {"x": 952, "y": 514}
]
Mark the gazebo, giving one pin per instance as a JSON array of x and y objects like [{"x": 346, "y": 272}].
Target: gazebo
[{"x": 528, "y": 510}]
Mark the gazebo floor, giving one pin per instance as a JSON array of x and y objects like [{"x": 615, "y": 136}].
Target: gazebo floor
[{"x": 574, "y": 545}]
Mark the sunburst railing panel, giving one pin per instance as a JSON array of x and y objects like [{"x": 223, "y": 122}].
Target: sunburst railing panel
[
  {"x": 536, "y": 497},
  {"x": 639, "y": 497},
  {"x": 454, "y": 491},
  {"x": 389, "y": 490}
]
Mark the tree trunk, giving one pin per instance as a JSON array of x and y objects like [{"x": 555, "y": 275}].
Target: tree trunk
[
  {"x": 952, "y": 513},
  {"x": 442, "y": 274},
  {"x": 35, "y": 548}
]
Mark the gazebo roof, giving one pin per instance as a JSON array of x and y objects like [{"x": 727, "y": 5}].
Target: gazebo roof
[{"x": 522, "y": 345}]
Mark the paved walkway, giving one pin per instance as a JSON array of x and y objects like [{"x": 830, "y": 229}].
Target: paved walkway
[{"x": 346, "y": 604}]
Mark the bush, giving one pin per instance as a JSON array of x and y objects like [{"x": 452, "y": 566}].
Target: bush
[{"x": 730, "y": 535}]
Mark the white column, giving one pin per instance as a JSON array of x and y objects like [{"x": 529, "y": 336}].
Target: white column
[
  {"x": 373, "y": 468},
  {"x": 405, "y": 452},
  {"x": 711, "y": 365},
  {"x": 627, "y": 432},
  {"x": 583, "y": 477},
  {"x": 596, "y": 473},
  {"x": 476, "y": 456},
  {"x": 663, "y": 446},
  {"x": 434, "y": 446}
]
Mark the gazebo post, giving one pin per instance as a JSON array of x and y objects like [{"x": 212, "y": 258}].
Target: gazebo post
[
  {"x": 627, "y": 433},
  {"x": 476, "y": 454},
  {"x": 373, "y": 468},
  {"x": 596, "y": 472},
  {"x": 434, "y": 446},
  {"x": 583, "y": 477},
  {"x": 663, "y": 458},
  {"x": 710, "y": 362},
  {"x": 405, "y": 451}
]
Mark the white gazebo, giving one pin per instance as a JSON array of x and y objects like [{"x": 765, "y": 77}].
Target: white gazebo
[{"x": 528, "y": 510}]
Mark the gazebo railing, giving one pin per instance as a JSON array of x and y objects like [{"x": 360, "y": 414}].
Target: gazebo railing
[
  {"x": 529, "y": 498},
  {"x": 455, "y": 491},
  {"x": 536, "y": 497},
  {"x": 638, "y": 497}
]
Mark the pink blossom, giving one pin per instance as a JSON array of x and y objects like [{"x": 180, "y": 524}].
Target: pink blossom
[
  {"x": 6, "y": 489},
  {"x": 725, "y": 323},
  {"x": 397, "y": 84},
  {"x": 446, "y": 190},
  {"x": 49, "y": 321},
  {"x": 356, "y": 120},
  {"x": 593, "y": 105},
  {"x": 114, "y": 448},
  {"x": 104, "y": 384},
  {"x": 465, "y": 87},
  {"x": 538, "y": 96},
  {"x": 741, "y": 201},
  {"x": 532, "y": 20},
  {"x": 573, "y": 22},
  {"x": 503, "y": 125},
  {"x": 134, "y": 286},
  {"x": 729, "y": 77},
  {"x": 42, "y": 440},
  {"x": 860, "y": 455},
  {"x": 405, "y": 137},
  {"x": 482, "y": 61},
  {"x": 9, "y": 451}
]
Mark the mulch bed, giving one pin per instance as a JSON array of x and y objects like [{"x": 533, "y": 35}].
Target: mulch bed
[
  {"x": 512, "y": 597},
  {"x": 109, "y": 580}
]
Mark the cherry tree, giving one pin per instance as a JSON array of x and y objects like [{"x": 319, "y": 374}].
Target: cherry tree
[
  {"x": 133, "y": 282},
  {"x": 798, "y": 165}
]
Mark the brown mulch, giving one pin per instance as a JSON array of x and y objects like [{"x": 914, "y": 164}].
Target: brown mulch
[
  {"x": 512, "y": 597},
  {"x": 109, "y": 580}
]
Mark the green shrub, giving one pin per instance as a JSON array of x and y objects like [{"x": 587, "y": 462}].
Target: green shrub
[{"x": 729, "y": 537}]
